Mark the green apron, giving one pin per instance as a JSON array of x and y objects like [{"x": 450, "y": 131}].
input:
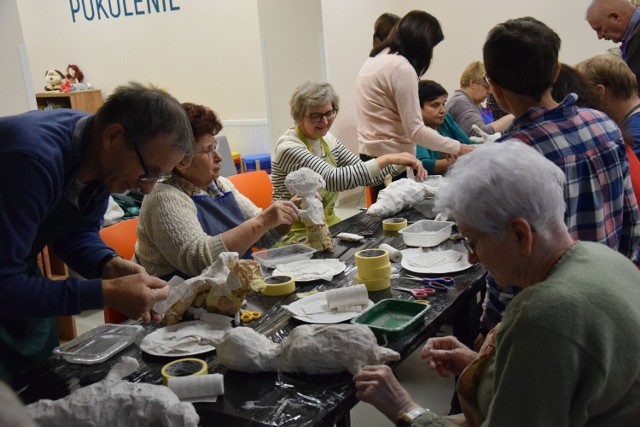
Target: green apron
[
  {"x": 298, "y": 232},
  {"x": 26, "y": 341}
]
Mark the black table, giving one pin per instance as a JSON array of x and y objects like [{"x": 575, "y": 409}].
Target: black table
[{"x": 276, "y": 399}]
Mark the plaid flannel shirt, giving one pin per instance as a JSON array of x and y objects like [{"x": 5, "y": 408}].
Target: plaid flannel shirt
[{"x": 601, "y": 205}]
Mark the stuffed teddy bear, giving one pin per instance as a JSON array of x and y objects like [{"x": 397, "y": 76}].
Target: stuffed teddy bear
[{"x": 54, "y": 79}]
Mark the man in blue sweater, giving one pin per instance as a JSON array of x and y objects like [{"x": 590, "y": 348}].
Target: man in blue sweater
[{"x": 57, "y": 170}]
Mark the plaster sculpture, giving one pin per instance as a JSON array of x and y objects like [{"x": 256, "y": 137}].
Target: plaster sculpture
[
  {"x": 220, "y": 288},
  {"x": 118, "y": 403},
  {"x": 310, "y": 349},
  {"x": 399, "y": 195},
  {"x": 306, "y": 183}
]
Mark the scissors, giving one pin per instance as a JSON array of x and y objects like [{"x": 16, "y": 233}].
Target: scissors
[
  {"x": 440, "y": 284},
  {"x": 247, "y": 316},
  {"x": 418, "y": 293}
]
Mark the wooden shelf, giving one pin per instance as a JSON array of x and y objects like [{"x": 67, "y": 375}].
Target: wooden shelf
[{"x": 83, "y": 100}]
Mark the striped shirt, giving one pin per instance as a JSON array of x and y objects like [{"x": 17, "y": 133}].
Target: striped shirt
[
  {"x": 350, "y": 172},
  {"x": 601, "y": 205}
]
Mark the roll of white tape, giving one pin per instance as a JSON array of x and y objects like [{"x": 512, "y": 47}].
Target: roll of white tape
[
  {"x": 347, "y": 296},
  {"x": 203, "y": 386},
  {"x": 394, "y": 254}
]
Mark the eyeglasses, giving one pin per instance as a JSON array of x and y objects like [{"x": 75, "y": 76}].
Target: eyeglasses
[
  {"x": 329, "y": 115},
  {"x": 148, "y": 176},
  {"x": 209, "y": 151},
  {"x": 485, "y": 77},
  {"x": 470, "y": 247}
]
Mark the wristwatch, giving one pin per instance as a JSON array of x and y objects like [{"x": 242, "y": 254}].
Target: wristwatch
[{"x": 408, "y": 418}]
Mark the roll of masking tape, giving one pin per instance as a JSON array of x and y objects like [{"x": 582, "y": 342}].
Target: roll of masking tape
[
  {"x": 184, "y": 368},
  {"x": 372, "y": 258},
  {"x": 394, "y": 224},
  {"x": 279, "y": 285},
  {"x": 374, "y": 284},
  {"x": 375, "y": 273}
]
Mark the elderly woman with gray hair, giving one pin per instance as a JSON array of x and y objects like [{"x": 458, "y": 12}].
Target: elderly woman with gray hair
[
  {"x": 563, "y": 354},
  {"x": 314, "y": 107}
]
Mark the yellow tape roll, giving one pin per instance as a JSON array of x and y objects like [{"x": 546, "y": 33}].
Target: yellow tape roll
[
  {"x": 279, "y": 285},
  {"x": 184, "y": 368},
  {"x": 394, "y": 224},
  {"x": 374, "y": 284},
  {"x": 375, "y": 273},
  {"x": 372, "y": 258}
]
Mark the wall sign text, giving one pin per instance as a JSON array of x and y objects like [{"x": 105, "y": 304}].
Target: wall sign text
[{"x": 91, "y": 10}]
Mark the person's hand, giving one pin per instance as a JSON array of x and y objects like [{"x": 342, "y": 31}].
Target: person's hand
[
  {"x": 404, "y": 159},
  {"x": 477, "y": 343},
  {"x": 464, "y": 149},
  {"x": 447, "y": 355},
  {"x": 297, "y": 200},
  {"x": 134, "y": 295},
  {"x": 378, "y": 386},
  {"x": 119, "y": 267},
  {"x": 278, "y": 213}
]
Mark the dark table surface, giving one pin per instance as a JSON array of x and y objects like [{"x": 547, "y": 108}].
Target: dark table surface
[{"x": 277, "y": 399}]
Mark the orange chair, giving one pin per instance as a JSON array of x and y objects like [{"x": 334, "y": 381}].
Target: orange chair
[
  {"x": 256, "y": 186},
  {"x": 121, "y": 237},
  {"x": 371, "y": 196}
]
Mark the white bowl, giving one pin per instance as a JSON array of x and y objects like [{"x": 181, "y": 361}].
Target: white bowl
[{"x": 427, "y": 233}]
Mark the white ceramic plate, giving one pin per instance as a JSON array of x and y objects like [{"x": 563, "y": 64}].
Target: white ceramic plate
[
  {"x": 328, "y": 316},
  {"x": 153, "y": 343},
  {"x": 311, "y": 269},
  {"x": 434, "y": 262}
]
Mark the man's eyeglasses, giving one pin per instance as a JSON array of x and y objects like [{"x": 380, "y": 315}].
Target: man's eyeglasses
[
  {"x": 148, "y": 176},
  {"x": 485, "y": 77},
  {"x": 317, "y": 117},
  {"x": 470, "y": 247}
]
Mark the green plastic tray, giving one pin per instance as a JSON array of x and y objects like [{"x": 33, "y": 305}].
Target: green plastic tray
[{"x": 392, "y": 318}]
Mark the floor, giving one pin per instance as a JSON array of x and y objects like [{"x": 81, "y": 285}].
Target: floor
[{"x": 426, "y": 387}]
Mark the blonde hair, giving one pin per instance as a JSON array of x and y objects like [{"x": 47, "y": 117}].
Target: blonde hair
[
  {"x": 611, "y": 72},
  {"x": 472, "y": 74}
]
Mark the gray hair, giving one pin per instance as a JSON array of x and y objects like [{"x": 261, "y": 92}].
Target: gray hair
[
  {"x": 495, "y": 183},
  {"x": 146, "y": 112},
  {"x": 311, "y": 93}
]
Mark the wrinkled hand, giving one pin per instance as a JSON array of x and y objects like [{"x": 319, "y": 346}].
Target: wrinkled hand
[
  {"x": 297, "y": 200},
  {"x": 483, "y": 137},
  {"x": 281, "y": 212},
  {"x": 447, "y": 355},
  {"x": 119, "y": 267},
  {"x": 409, "y": 160},
  {"x": 134, "y": 295},
  {"x": 378, "y": 386}
]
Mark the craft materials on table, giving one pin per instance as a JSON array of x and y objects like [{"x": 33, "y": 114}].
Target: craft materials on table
[
  {"x": 313, "y": 269},
  {"x": 346, "y": 303},
  {"x": 183, "y": 368},
  {"x": 394, "y": 254},
  {"x": 417, "y": 260},
  {"x": 247, "y": 316},
  {"x": 350, "y": 298},
  {"x": 200, "y": 388},
  {"x": 374, "y": 269},
  {"x": 349, "y": 237},
  {"x": 394, "y": 224},
  {"x": 278, "y": 285},
  {"x": 418, "y": 293},
  {"x": 187, "y": 338}
]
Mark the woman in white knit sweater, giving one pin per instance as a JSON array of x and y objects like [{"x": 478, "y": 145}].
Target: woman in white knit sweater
[
  {"x": 314, "y": 107},
  {"x": 187, "y": 221}
]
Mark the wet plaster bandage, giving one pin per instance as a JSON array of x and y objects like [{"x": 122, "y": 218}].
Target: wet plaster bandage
[
  {"x": 394, "y": 254},
  {"x": 184, "y": 368},
  {"x": 279, "y": 285},
  {"x": 200, "y": 388},
  {"x": 348, "y": 297},
  {"x": 394, "y": 224}
]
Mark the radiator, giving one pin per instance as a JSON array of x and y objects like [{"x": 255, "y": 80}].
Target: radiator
[{"x": 247, "y": 136}]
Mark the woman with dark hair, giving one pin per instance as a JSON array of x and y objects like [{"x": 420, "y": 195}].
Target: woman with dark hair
[
  {"x": 187, "y": 221},
  {"x": 389, "y": 120},
  {"x": 383, "y": 26}
]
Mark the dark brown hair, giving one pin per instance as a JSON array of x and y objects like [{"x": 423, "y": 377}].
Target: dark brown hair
[{"x": 203, "y": 120}]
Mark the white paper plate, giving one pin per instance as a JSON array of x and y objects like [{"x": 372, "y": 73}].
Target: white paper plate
[
  {"x": 434, "y": 262},
  {"x": 329, "y": 316},
  {"x": 170, "y": 333},
  {"x": 311, "y": 269}
]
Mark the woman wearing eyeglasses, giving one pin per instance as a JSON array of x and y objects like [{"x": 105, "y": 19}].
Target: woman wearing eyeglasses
[
  {"x": 314, "y": 107},
  {"x": 188, "y": 220}
]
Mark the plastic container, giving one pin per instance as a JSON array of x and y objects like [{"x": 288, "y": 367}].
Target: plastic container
[
  {"x": 257, "y": 162},
  {"x": 99, "y": 344},
  {"x": 283, "y": 255},
  {"x": 427, "y": 233},
  {"x": 391, "y": 318}
]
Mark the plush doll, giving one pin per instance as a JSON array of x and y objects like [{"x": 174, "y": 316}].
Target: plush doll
[
  {"x": 54, "y": 79},
  {"x": 74, "y": 75}
]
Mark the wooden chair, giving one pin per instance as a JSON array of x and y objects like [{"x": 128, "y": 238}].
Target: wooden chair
[
  {"x": 256, "y": 186},
  {"x": 121, "y": 237}
]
